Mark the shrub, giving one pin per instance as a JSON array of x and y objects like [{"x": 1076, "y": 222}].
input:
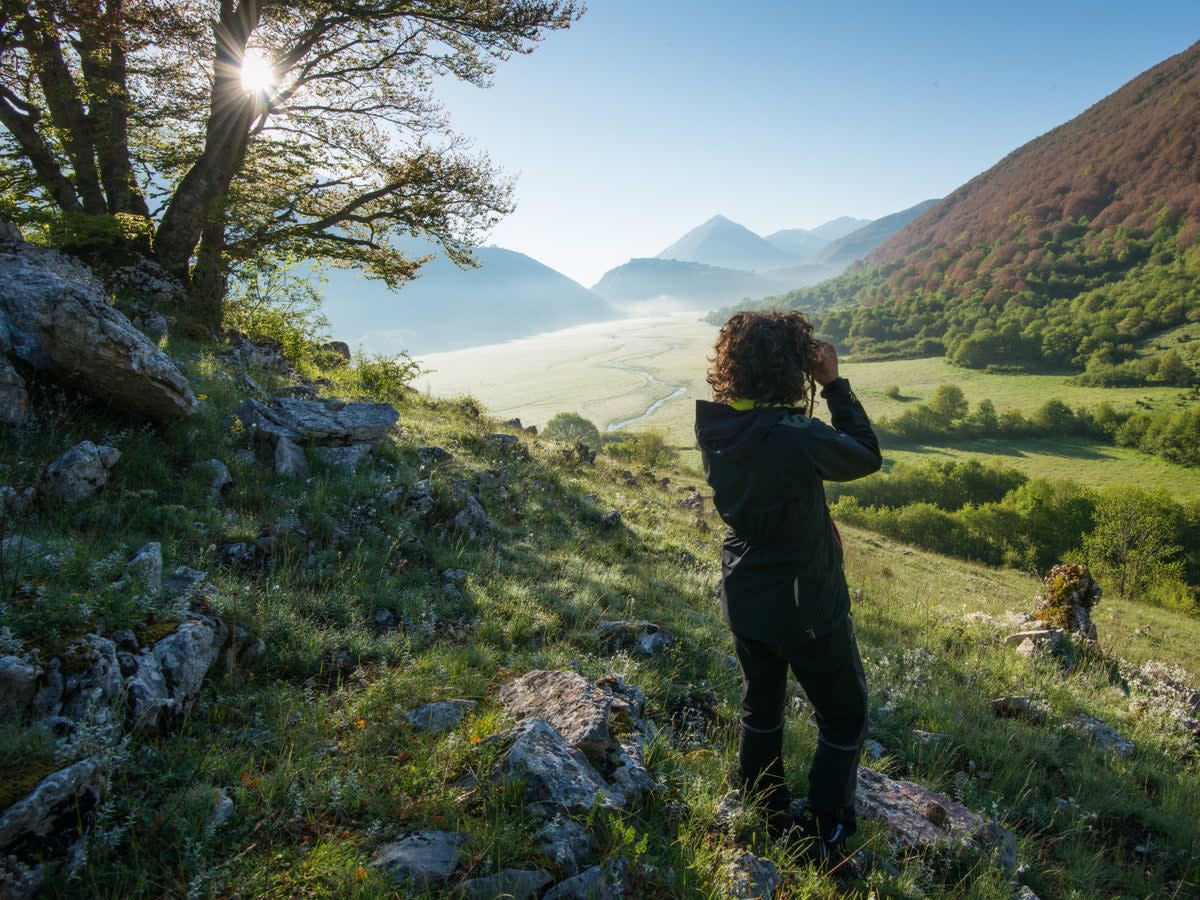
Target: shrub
[
  {"x": 892, "y": 392},
  {"x": 279, "y": 303},
  {"x": 386, "y": 377},
  {"x": 572, "y": 428},
  {"x": 647, "y": 448}
]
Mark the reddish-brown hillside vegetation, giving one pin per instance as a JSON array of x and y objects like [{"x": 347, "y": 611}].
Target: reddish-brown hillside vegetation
[{"x": 1123, "y": 162}]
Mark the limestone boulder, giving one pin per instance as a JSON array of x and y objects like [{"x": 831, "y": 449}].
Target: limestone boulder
[
  {"x": 1101, "y": 734},
  {"x": 79, "y": 472},
  {"x": 18, "y": 685},
  {"x": 576, "y": 708},
  {"x": 56, "y": 798},
  {"x": 510, "y": 884},
  {"x": 917, "y": 817},
  {"x": 55, "y": 317},
  {"x": 554, "y": 775},
  {"x": 441, "y": 716},
  {"x": 753, "y": 878},
  {"x": 426, "y": 859}
]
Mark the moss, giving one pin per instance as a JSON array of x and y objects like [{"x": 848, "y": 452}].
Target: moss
[
  {"x": 17, "y": 781},
  {"x": 151, "y": 634}
]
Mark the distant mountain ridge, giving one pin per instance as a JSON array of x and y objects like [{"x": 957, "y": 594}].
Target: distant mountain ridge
[
  {"x": 722, "y": 262},
  {"x": 509, "y": 295}
]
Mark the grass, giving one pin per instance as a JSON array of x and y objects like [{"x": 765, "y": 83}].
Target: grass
[
  {"x": 321, "y": 765},
  {"x": 593, "y": 370}
]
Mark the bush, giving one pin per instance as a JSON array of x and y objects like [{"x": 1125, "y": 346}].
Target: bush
[
  {"x": 647, "y": 448},
  {"x": 386, "y": 377},
  {"x": 572, "y": 428},
  {"x": 892, "y": 392}
]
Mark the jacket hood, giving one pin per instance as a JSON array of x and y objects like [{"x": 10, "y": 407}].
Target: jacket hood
[{"x": 724, "y": 431}]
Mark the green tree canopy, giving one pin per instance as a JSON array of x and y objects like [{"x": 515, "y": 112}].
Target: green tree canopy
[{"x": 139, "y": 109}]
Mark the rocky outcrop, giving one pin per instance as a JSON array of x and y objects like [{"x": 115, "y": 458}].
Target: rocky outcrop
[
  {"x": 554, "y": 775},
  {"x": 1100, "y": 734},
  {"x": 79, "y": 472},
  {"x": 917, "y": 817},
  {"x": 343, "y": 432},
  {"x": 1069, "y": 592},
  {"x": 566, "y": 712},
  {"x": 55, "y": 317}
]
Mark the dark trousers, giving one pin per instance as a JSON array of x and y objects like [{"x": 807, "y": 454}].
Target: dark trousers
[{"x": 830, "y": 672}]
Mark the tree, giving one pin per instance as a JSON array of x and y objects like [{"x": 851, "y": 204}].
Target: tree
[
  {"x": 572, "y": 428},
  {"x": 139, "y": 109},
  {"x": 1133, "y": 540}
]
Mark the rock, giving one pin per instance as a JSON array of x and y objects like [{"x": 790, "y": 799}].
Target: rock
[
  {"x": 1040, "y": 638},
  {"x": 925, "y": 738},
  {"x": 171, "y": 671},
  {"x": 1101, "y": 734},
  {"x": 420, "y": 497},
  {"x": 385, "y": 619},
  {"x": 185, "y": 584},
  {"x": 55, "y": 796},
  {"x": 591, "y": 884},
  {"x": 14, "y": 398},
  {"x": 504, "y": 440},
  {"x": 17, "y": 880},
  {"x": 906, "y": 809},
  {"x": 566, "y": 843},
  {"x": 220, "y": 480},
  {"x": 92, "y": 682},
  {"x": 455, "y": 576},
  {"x": 251, "y": 653},
  {"x": 245, "y": 457},
  {"x": 146, "y": 567},
  {"x": 15, "y": 501},
  {"x": 873, "y": 749},
  {"x": 338, "y": 348},
  {"x": 611, "y": 519},
  {"x": 146, "y": 280},
  {"x": 266, "y": 354},
  {"x": 18, "y": 552},
  {"x": 753, "y": 878},
  {"x": 152, "y": 324},
  {"x": 238, "y": 555},
  {"x": 509, "y": 884},
  {"x": 222, "y": 810},
  {"x": 553, "y": 774},
  {"x": 426, "y": 858},
  {"x": 290, "y": 461},
  {"x": 1067, "y": 597},
  {"x": 693, "y": 501},
  {"x": 472, "y": 520},
  {"x": 79, "y": 472},
  {"x": 59, "y": 319},
  {"x": 730, "y": 810},
  {"x": 326, "y": 422},
  {"x": 1025, "y": 893},
  {"x": 18, "y": 686},
  {"x": 439, "y": 716},
  {"x": 1020, "y": 707},
  {"x": 344, "y": 459},
  {"x": 574, "y": 706},
  {"x": 429, "y": 455},
  {"x": 645, "y": 637}
]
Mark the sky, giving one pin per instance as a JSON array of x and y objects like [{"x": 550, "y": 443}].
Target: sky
[{"x": 648, "y": 117}]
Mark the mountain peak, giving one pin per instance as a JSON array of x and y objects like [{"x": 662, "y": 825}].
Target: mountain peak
[{"x": 723, "y": 242}]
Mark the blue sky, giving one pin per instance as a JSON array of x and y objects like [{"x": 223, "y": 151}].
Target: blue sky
[{"x": 649, "y": 117}]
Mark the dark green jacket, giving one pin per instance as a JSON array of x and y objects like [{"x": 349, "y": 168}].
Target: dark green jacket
[{"x": 782, "y": 576}]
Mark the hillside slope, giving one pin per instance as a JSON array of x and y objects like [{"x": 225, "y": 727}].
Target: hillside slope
[
  {"x": 373, "y": 596},
  {"x": 1067, "y": 253},
  {"x": 862, "y": 241}
]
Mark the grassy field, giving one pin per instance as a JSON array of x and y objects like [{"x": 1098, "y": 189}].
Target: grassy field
[{"x": 612, "y": 372}]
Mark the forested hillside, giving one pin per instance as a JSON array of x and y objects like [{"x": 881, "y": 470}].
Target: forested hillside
[{"x": 1067, "y": 253}]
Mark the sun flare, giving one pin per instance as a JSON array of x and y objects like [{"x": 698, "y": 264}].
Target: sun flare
[{"x": 258, "y": 76}]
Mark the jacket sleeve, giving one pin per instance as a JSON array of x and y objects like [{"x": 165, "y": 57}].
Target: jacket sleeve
[{"x": 848, "y": 449}]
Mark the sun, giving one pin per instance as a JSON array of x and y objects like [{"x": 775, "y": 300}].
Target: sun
[{"x": 258, "y": 76}]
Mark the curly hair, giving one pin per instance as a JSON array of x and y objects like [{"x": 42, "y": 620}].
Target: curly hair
[{"x": 766, "y": 357}]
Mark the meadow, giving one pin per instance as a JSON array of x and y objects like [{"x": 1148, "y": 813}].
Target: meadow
[{"x": 613, "y": 372}]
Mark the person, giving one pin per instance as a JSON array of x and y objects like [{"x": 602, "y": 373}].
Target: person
[{"x": 783, "y": 590}]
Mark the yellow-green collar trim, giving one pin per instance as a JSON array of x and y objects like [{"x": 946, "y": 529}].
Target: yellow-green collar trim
[{"x": 741, "y": 404}]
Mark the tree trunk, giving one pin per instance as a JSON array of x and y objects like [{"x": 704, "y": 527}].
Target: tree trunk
[
  {"x": 210, "y": 277},
  {"x": 200, "y": 197}
]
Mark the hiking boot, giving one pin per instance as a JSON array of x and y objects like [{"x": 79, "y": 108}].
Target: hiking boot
[{"x": 821, "y": 841}]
